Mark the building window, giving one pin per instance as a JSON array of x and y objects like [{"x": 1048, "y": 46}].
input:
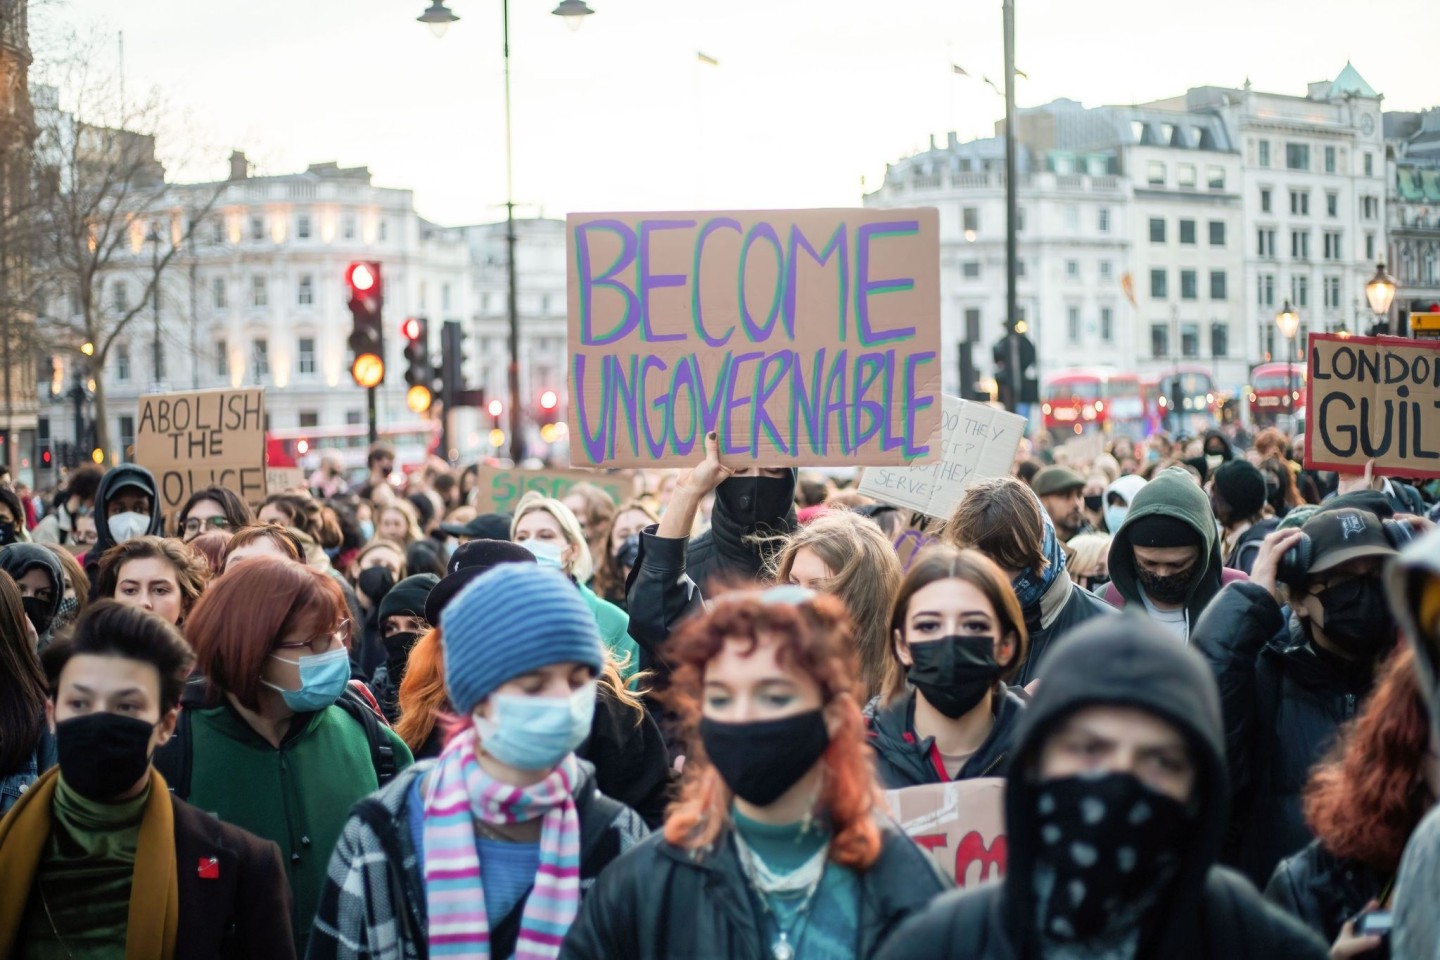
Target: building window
[
  {"x": 122, "y": 362},
  {"x": 1300, "y": 290},
  {"x": 1332, "y": 204},
  {"x": 259, "y": 359},
  {"x": 384, "y": 229},
  {"x": 1267, "y": 242},
  {"x": 1215, "y": 177},
  {"x": 1157, "y": 230},
  {"x": 259, "y": 292},
  {"x": 217, "y": 293},
  {"x": 1264, "y": 153},
  {"x": 1107, "y": 269},
  {"x": 305, "y": 292},
  {"x": 353, "y": 418},
  {"x": 1187, "y": 231},
  {"x": 970, "y": 219},
  {"x": 1300, "y": 203},
  {"x": 1157, "y": 285},
  {"x": 1297, "y": 156},
  {"x": 1185, "y": 175},
  {"x": 1217, "y": 285},
  {"x": 1102, "y": 220},
  {"x": 1072, "y": 218},
  {"x": 1332, "y": 291},
  {"x": 1190, "y": 339},
  {"x": 1189, "y": 285},
  {"x": 1369, "y": 246},
  {"x": 1369, "y": 164},
  {"x": 1019, "y": 268},
  {"x": 1217, "y": 233},
  {"x": 1155, "y": 173},
  {"x": 1332, "y": 245},
  {"x": 222, "y": 360},
  {"x": 306, "y": 357},
  {"x": 1219, "y": 340},
  {"x": 349, "y": 228},
  {"x": 120, "y": 295},
  {"x": 309, "y": 419},
  {"x": 1329, "y": 159},
  {"x": 302, "y": 227},
  {"x": 1266, "y": 290},
  {"x": 1019, "y": 219},
  {"x": 1159, "y": 340},
  {"x": 1072, "y": 269},
  {"x": 1072, "y": 324},
  {"x": 972, "y": 324},
  {"x": 1265, "y": 200},
  {"x": 1300, "y": 244},
  {"x": 257, "y": 229},
  {"x": 127, "y": 438},
  {"x": 1107, "y": 324},
  {"x": 970, "y": 269},
  {"x": 1369, "y": 207}
]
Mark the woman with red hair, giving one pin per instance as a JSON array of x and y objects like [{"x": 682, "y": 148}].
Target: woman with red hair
[
  {"x": 1363, "y": 805},
  {"x": 777, "y": 845}
]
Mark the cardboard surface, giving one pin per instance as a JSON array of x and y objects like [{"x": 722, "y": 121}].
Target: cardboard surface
[
  {"x": 1080, "y": 450},
  {"x": 1373, "y": 397},
  {"x": 803, "y": 337},
  {"x": 203, "y": 438},
  {"x": 978, "y": 441},
  {"x": 498, "y": 490},
  {"x": 960, "y": 824},
  {"x": 284, "y": 479}
]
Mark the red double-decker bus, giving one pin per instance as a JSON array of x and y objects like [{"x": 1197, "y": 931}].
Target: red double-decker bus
[
  {"x": 1276, "y": 389},
  {"x": 1081, "y": 400}
]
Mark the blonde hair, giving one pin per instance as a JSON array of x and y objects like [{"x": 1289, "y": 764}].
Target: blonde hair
[
  {"x": 582, "y": 567},
  {"x": 1087, "y": 550}
]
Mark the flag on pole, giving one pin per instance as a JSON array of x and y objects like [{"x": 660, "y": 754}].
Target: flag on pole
[
  {"x": 705, "y": 58},
  {"x": 1127, "y": 285}
]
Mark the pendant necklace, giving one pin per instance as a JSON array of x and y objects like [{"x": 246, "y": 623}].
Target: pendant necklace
[{"x": 767, "y": 884}]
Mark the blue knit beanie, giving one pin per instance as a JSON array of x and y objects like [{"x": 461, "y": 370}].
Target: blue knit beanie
[{"x": 514, "y": 619}]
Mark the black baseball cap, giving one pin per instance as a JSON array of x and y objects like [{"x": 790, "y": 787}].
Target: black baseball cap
[
  {"x": 487, "y": 526},
  {"x": 1339, "y": 536}
]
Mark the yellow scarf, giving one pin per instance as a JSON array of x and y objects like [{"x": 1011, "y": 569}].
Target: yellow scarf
[{"x": 154, "y": 918}]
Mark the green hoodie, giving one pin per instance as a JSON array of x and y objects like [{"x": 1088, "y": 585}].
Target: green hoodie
[{"x": 1173, "y": 493}]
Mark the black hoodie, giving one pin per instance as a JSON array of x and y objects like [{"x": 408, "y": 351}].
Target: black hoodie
[
  {"x": 1207, "y": 911},
  {"x": 18, "y": 559},
  {"x": 125, "y": 475}
]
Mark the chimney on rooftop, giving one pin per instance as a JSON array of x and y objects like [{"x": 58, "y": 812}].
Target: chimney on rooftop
[{"x": 239, "y": 166}]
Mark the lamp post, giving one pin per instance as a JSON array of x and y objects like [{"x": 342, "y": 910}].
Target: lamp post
[
  {"x": 439, "y": 17},
  {"x": 1380, "y": 291},
  {"x": 1289, "y": 323},
  {"x": 153, "y": 238}
]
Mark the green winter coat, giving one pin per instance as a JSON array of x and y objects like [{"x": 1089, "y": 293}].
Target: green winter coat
[{"x": 614, "y": 625}]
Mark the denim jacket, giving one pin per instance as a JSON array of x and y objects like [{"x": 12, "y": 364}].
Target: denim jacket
[{"x": 15, "y": 783}]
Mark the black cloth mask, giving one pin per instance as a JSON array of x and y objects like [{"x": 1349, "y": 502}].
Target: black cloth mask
[
  {"x": 1094, "y": 503},
  {"x": 752, "y": 500},
  {"x": 39, "y": 612},
  {"x": 375, "y": 582},
  {"x": 1171, "y": 589},
  {"x": 954, "y": 672},
  {"x": 103, "y": 754},
  {"x": 7, "y": 533},
  {"x": 760, "y": 761},
  {"x": 397, "y": 653},
  {"x": 628, "y": 552},
  {"x": 1358, "y": 618},
  {"x": 1109, "y": 845}
]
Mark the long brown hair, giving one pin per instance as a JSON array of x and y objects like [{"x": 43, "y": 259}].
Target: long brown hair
[
  {"x": 609, "y": 578},
  {"x": 22, "y": 681},
  {"x": 192, "y": 570},
  {"x": 813, "y": 639}
]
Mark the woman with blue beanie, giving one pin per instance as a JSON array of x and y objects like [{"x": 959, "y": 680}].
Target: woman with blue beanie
[{"x": 487, "y": 851}]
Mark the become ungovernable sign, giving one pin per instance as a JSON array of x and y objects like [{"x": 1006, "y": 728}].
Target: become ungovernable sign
[{"x": 799, "y": 336}]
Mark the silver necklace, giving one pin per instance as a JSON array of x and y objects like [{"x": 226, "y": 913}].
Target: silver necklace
[{"x": 767, "y": 883}]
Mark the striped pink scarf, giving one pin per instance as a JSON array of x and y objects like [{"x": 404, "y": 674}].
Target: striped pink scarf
[{"x": 461, "y": 791}]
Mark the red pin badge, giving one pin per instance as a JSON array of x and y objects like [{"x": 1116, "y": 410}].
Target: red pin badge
[{"x": 209, "y": 868}]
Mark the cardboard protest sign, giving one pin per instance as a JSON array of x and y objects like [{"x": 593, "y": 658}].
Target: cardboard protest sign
[
  {"x": 1373, "y": 397},
  {"x": 284, "y": 479},
  {"x": 978, "y": 440},
  {"x": 498, "y": 490},
  {"x": 908, "y": 544},
  {"x": 961, "y": 824},
  {"x": 1080, "y": 450},
  {"x": 201, "y": 439},
  {"x": 801, "y": 337}
]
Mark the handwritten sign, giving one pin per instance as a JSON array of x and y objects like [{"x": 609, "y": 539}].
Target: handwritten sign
[
  {"x": 909, "y": 543},
  {"x": 978, "y": 441},
  {"x": 1373, "y": 397},
  {"x": 201, "y": 439},
  {"x": 801, "y": 337},
  {"x": 961, "y": 825},
  {"x": 498, "y": 490},
  {"x": 284, "y": 479},
  {"x": 1080, "y": 451}
]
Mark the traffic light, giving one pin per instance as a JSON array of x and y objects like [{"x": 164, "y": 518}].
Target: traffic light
[
  {"x": 495, "y": 409},
  {"x": 419, "y": 374},
  {"x": 452, "y": 363},
  {"x": 549, "y": 407},
  {"x": 367, "y": 341}
]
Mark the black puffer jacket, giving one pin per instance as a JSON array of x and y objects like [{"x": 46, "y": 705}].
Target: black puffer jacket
[
  {"x": 1206, "y": 911},
  {"x": 902, "y": 760},
  {"x": 659, "y": 902},
  {"x": 1323, "y": 891},
  {"x": 1283, "y": 700}
]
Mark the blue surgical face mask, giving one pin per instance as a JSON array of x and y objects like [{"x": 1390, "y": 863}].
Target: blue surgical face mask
[
  {"x": 367, "y": 530},
  {"x": 536, "y": 733},
  {"x": 323, "y": 677},
  {"x": 547, "y": 553},
  {"x": 1114, "y": 516}
]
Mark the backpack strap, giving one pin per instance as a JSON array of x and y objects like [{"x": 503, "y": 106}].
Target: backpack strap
[{"x": 382, "y": 751}]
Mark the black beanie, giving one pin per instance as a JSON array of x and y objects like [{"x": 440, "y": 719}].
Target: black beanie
[
  {"x": 1242, "y": 487},
  {"x": 407, "y": 598},
  {"x": 1160, "y": 530}
]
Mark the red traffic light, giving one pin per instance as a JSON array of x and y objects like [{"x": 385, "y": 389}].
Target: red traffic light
[
  {"x": 410, "y": 328},
  {"x": 496, "y": 408},
  {"x": 362, "y": 277},
  {"x": 549, "y": 400}
]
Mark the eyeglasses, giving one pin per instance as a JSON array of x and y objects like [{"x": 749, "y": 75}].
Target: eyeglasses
[
  {"x": 195, "y": 524},
  {"x": 323, "y": 642}
]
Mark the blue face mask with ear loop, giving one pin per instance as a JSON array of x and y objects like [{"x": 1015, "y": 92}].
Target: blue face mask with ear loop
[
  {"x": 1114, "y": 516},
  {"x": 323, "y": 677},
  {"x": 536, "y": 733},
  {"x": 547, "y": 553}
]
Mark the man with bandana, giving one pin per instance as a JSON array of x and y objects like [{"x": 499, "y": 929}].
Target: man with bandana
[
  {"x": 1115, "y": 809},
  {"x": 1165, "y": 557}
]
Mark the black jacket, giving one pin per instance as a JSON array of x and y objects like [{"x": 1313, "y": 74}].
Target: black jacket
[
  {"x": 1082, "y": 605},
  {"x": 1205, "y": 911},
  {"x": 903, "y": 761},
  {"x": 125, "y": 475},
  {"x": 658, "y": 901},
  {"x": 1247, "y": 548},
  {"x": 1283, "y": 701},
  {"x": 1322, "y": 890}
]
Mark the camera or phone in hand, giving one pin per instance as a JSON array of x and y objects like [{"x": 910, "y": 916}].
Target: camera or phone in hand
[{"x": 1374, "y": 923}]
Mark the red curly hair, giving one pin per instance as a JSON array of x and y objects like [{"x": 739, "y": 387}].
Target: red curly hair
[
  {"x": 1366, "y": 799},
  {"x": 422, "y": 697},
  {"x": 813, "y": 639}
]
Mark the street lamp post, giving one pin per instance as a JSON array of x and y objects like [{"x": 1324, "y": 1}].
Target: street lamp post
[
  {"x": 1289, "y": 323},
  {"x": 1380, "y": 291},
  {"x": 439, "y": 17},
  {"x": 153, "y": 238}
]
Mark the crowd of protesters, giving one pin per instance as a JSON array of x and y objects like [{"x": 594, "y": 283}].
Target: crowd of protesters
[{"x": 371, "y": 720}]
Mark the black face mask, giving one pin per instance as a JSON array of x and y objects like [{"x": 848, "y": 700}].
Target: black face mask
[
  {"x": 39, "y": 612},
  {"x": 760, "y": 761},
  {"x": 103, "y": 754},
  {"x": 1094, "y": 503},
  {"x": 1108, "y": 846},
  {"x": 628, "y": 551},
  {"x": 752, "y": 500},
  {"x": 1358, "y": 618},
  {"x": 1171, "y": 589},
  {"x": 397, "y": 653},
  {"x": 7, "y": 533},
  {"x": 954, "y": 672},
  {"x": 375, "y": 582}
]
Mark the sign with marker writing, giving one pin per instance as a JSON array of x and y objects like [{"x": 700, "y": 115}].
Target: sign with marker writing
[
  {"x": 205, "y": 438},
  {"x": 799, "y": 336},
  {"x": 960, "y": 824},
  {"x": 498, "y": 490},
  {"x": 978, "y": 441},
  {"x": 1373, "y": 398}
]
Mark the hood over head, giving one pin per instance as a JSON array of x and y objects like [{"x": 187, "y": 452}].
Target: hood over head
[
  {"x": 1174, "y": 494},
  {"x": 750, "y": 507},
  {"x": 18, "y": 559},
  {"x": 1412, "y": 584},
  {"x": 1124, "y": 661},
  {"x": 125, "y": 475}
]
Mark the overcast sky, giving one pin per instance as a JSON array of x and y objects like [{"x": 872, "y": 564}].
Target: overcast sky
[{"x": 809, "y": 95}]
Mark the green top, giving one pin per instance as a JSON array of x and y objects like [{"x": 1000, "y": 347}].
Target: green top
[
  {"x": 614, "y": 625},
  {"x": 298, "y": 795},
  {"x": 83, "y": 879}
]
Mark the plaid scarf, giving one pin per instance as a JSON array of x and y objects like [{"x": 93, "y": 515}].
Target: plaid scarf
[{"x": 455, "y": 898}]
